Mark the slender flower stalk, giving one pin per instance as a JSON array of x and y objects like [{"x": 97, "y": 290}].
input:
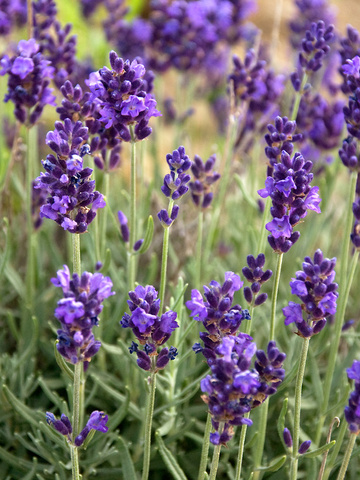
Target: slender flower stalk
[
  {"x": 275, "y": 295},
  {"x": 164, "y": 258},
  {"x": 297, "y": 411},
  {"x": 216, "y": 456},
  {"x": 347, "y": 456},
  {"x": 199, "y": 248},
  {"x": 205, "y": 448},
  {"x": 148, "y": 425},
  {"x": 133, "y": 219},
  {"x": 345, "y": 282},
  {"x": 298, "y": 96}
]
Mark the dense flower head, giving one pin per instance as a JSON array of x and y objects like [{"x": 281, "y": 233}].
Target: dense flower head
[
  {"x": 216, "y": 312},
  {"x": 72, "y": 201},
  {"x": 121, "y": 98},
  {"x": 188, "y": 35},
  {"x": 292, "y": 196},
  {"x": 352, "y": 411},
  {"x": 321, "y": 121},
  {"x": 234, "y": 386},
  {"x": 12, "y": 14},
  {"x": 350, "y": 48},
  {"x": 203, "y": 178},
  {"x": 150, "y": 329},
  {"x": 78, "y": 313},
  {"x": 29, "y": 75},
  {"x": 97, "y": 421},
  {"x": 308, "y": 12},
  {"x": 281, "y": 137},
  {"x": 255, "y": 274},
  {"x": 348, "y": 154},
  {"x": 351, "y": 71},
  {"x": 315, "y": 287}
]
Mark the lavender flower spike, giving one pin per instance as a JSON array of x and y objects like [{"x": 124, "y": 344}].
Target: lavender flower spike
[{"x": 352, "y": 411}]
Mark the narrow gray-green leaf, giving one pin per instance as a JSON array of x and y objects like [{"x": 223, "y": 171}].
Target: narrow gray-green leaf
[
  {"x": 27, "y": 413},
  {"x": 107, "y": 261},
  {"x": 62, "y": 364},
  {"x": 169, "y": 459},
  {"x": 148, "y": 236},
  {"x": 274, "y": 465},
  {"x": 126, "y": 461},
  {"x": 319, "y": 450}
]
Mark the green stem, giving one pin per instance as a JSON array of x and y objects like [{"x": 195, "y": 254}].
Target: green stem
[
  {"x": 148, "y": 424},
  {"x": 258, "y": 453},
  {"x": 298, "y": 96},
  {"x": 263, "y": 231},
  {"x": 216, "y": 457},
  {"x": 347, "y": 456},
  {"x": 74, "y": 452},
  {"x": 241, "y": 449},
  {"x": 164, "y": 260},
  {"x": 76, "y": 253},
  {"x": 198, "y": 249},
  {"x": 104, "y": 216},
  {"x": 345, "y": 283},
  {"x": 223, "y": 187},
  {"x": 274, "y": 295},
  {"x": 32, "y": 150},
  {"x": 205, "y": 449},
  {"x": 132, "y": 220},
  {"x": 297, "y": 413}
]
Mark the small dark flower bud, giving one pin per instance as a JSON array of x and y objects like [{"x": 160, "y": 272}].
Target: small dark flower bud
[
  {"x": 304, "y": 447},
  {"x": 287, "y": 437}
]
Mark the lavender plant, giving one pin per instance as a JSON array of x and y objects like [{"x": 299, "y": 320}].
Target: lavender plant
[{"x": 167, "y": 401}]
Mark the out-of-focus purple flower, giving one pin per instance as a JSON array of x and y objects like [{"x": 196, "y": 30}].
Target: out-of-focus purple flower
[
  {"x": 203, "y": 178},
  {"x": 352, "y": 411},
  {"x": 78, "y": 313},
  {"x": 315, "y": 287},
  {"x": 234, "y": 388},
  {"x": 151, "y": 330},
  {"x": 29, "y": 75}
]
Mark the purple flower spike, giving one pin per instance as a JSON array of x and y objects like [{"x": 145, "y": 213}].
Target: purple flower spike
[
  {"x": 315, "y": 287},
  {"x": 78, "y": 313},
  {"x": 203, "y": 179}
]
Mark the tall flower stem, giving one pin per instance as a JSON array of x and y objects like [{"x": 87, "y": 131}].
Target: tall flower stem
[
  {"x": 216, "y": 457},
  {"x": 199, "y": 249},
  {"x": 265, "y": 405},
  {"x": 164, "y": 260},
  {"x": 104, "y": 215},
  {"x": 205, "y": 448},
  {"x": 148, "y": 424},
  {"x": 275, "y": 294},
  {"x": 347, "y": 456},
  {"x": 298, "y": 96},
  {"x": 132, "y": 220},
  {"x": 345, "y": 283},
  {"x": 224, "y": 184},
  {"x": 241, "y": 449},
  {"x": 297, "y": 412},
  {"x": 30, "y": 167},
  {"x": 78, "y": 369}
]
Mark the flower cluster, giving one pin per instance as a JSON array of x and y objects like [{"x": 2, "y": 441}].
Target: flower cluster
[
  {"x": 315, "y": 46},
  {"x": 97, "y": 421},
  {"x": 72, "y": 201},
  {"x": 175, "y": 183},
  {"x": 77, "y": 105},
  {"x": 187, "y": 35},
  {"x": 350, "y": 48},
  {"x": 121, "y": 98},
  {"x": 351, "y": 70},
  {"x": 315, "y": 287},
  {"x": 234, "y": 387},
  {"x": 352, "y": 411},
  {"x": 281, "y": 137},
  {"x": 29, "y": 75},
  {"x": 12, "y": 14},
  {"x": 308, "y": 12},
  {"x": 78, "y": 313},
  {"x": 218, "y": 315},
  {"x": 255, "y": 274},
  {"x": 257, "y": 85},
  {"x": 203, "y": 178},
  {"x": 151, "y": 330},
  {"x": 292, "y": 196}
]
